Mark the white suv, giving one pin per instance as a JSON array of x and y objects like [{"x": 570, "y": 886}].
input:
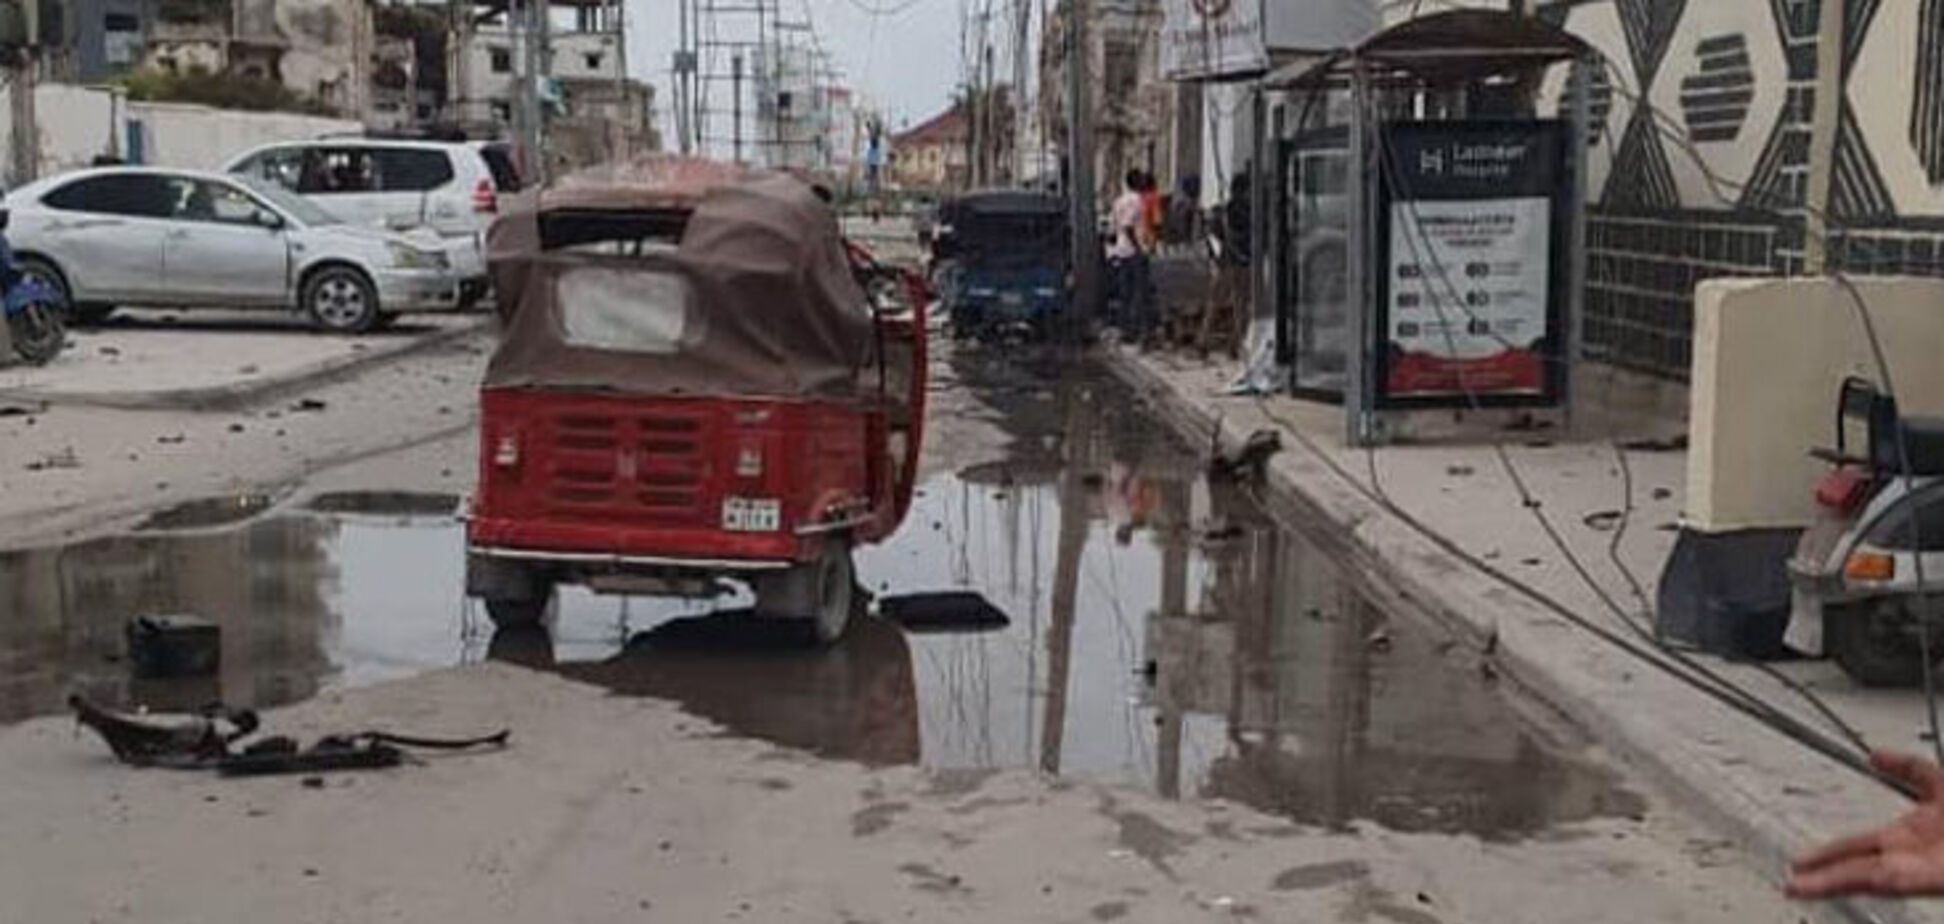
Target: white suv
[{"x": 451, "y": 187}]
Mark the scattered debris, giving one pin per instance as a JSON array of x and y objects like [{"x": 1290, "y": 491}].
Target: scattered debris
[
  {"x": 943, "y": 611},
  {"x": 171, "y": 439},
  {"x": 55, "y": 460},
  {"x": 20, "y": 410},
  {"x": 1676, "y": 443},
  {"x": 1604, "y": 521},
  {"x": 109, "y": 351},
  {"x": 248, "y": 370},
  {"x": 1531, "y": 562},
  {"x": 1460, "y": 471},
  {"x": 308, "y": 405},
  {"x": 1379, "y": 640},
  {"x": 236, "y": 428},
  {"x": 174, "y": 646},
  {"x": 1662, "y": 493},
  {"x": 1251, "y": 461},
  {"x": 204, "y": 742}
]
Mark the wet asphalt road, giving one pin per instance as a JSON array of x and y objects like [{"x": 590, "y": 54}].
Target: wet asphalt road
[{"x": 1161, "y": 629}]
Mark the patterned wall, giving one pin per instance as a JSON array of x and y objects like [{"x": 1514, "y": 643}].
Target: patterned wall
[{"x": 1709, "y": 177}]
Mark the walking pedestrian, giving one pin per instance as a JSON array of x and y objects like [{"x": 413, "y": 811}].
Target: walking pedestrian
[{"x": 1128, "y": 258}]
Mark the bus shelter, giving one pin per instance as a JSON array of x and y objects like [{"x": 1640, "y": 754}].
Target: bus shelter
[{"x": 1426, "y": 223}]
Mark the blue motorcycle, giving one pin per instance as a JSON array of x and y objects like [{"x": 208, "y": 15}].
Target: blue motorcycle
[{"x": 33, "y": 308}]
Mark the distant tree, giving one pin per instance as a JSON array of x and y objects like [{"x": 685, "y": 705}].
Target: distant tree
[{"x": 223, "y": 91}]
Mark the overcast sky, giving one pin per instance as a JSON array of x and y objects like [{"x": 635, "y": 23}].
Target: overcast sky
[{"x": 907, "y": 60}]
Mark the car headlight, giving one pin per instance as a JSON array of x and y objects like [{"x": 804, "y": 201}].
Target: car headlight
[{"x": 405, "y": 256}]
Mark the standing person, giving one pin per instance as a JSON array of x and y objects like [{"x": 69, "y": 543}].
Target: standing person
[
  {"x": 1238, "y": 253},
  {"x": 1127, "y": 258}
]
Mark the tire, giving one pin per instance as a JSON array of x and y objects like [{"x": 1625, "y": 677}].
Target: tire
[
  {"x": 37, "y": 331},
  {"x": 818, "y": 593},
  {"x": 516, "y": 614},
  {"x": 1872, "y": 642},
  {"x": 340, "y": 299},
  {"x": 44, "y": 270}
]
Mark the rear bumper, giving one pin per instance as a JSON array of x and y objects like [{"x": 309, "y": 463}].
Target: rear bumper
[{"x": 599, "y": 546}]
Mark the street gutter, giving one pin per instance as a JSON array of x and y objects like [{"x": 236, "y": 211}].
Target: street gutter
[{"x": 1654, "y": 723}]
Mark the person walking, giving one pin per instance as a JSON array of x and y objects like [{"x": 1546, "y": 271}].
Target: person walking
[{"x": 1128, "y": 258}]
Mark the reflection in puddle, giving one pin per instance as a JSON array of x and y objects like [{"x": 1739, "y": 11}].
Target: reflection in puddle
[
  {"x": 208, "y": 512},
  {"x": 1164, "y": 632}
]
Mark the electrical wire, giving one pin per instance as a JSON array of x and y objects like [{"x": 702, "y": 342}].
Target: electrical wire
[
  {"x": 886, "y": 10},
  {"x": 1695, "y": 673}
]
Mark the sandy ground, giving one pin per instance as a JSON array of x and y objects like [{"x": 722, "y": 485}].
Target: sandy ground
[
  {"x": 607, "y": 808},
  {"x": 66, "y": 471}
]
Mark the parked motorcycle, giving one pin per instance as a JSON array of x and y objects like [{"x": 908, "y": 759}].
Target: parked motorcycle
[
  {"x": 1868, "y": 576},
  {"x": 33, "y": 308}
]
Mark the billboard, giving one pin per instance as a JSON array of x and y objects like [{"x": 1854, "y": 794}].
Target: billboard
[
  {"x": 1212, "y": 38},
  {"x": 1471, "y": 264}
]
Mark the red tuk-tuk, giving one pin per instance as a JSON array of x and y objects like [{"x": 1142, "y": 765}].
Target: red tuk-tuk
[{"x": 696, "y": 380}]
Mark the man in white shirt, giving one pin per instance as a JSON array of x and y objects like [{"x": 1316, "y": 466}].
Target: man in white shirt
[{"x": 1128, "y": 257}]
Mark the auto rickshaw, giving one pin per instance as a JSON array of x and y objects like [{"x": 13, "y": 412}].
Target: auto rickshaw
[
  {"x": 698, "y": 387},
  {"x": 1003, "y": 259}
]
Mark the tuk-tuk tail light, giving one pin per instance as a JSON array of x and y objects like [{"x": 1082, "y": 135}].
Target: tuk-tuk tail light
[
  {"x": 1869, "y": 566},
  {"x": 749, "y": 463}
]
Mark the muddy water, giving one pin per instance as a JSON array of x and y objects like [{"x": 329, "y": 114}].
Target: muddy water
[{"x": 1161, "y": 630}]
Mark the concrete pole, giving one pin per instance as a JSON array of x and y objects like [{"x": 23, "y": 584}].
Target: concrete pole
[
  {"x": 26, "y": 129},
  {"x": 735, "y": 103},
  {"x": 1080, "y": 171},
  {"x": 1822, "y": 136}
]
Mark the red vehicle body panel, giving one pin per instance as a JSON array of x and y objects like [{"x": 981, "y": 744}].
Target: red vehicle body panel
[{"x": 621, "y": 475}]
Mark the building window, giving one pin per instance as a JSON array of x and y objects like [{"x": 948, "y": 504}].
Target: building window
[
  {"x": 502, "y": 60},
  {"x": 593, "y": 59},
  {"x": 502, "y": 111}
]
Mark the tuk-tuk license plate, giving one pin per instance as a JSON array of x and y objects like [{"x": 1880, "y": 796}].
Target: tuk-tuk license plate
[{"x": 747, "y": 515}]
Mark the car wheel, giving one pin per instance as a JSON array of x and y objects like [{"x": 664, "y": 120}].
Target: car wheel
[
  {"x": 37, "y": 332},
  {"x": 340, "y": 299},
  {"x": 47, "y": 273}
]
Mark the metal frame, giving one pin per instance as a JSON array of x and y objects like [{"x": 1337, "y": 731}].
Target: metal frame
[{"x": 1411, "y": 59}]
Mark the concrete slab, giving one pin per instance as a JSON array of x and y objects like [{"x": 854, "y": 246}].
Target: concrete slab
[
  {"x": 212, "y": 359},
  {"x": 1442, "y": 524}
]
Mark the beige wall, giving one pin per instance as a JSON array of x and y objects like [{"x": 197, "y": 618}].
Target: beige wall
[{"x": 1768, "y": 357}]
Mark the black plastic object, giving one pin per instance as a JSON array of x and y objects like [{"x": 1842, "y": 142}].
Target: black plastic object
[
  {"x": 1728, "y": 593},
  {"x": 174, "y": 646},
  {"x": 943, "y": 611}
]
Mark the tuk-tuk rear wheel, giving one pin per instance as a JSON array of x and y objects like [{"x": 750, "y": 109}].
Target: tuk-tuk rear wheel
[
  {"x": 819, "y": 592},
  {"x": 520, "y": 612}
]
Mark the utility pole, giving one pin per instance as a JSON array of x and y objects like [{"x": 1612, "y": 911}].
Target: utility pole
[
  {"x": 1080, "y": 173},
  {"x": 735, "y": 103},
  {"x": 26, "y": 131},
  {"x": 684, "y": 68}
]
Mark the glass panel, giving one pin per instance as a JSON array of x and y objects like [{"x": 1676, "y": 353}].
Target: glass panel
[{"x": 1316, "y": 194}]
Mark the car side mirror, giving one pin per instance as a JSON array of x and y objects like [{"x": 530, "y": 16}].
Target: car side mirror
[{"x": 268, "y": 220}]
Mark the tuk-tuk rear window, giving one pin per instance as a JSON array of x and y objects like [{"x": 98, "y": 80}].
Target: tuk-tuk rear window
[{"x": 625, "y": 309}]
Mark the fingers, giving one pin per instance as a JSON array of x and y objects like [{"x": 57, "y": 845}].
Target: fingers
[
  {"x": 1922, "y": 775},
  {"x": 1890, "y": 874},
  {"x": 1852, "y": 876},
  {"x": 1866, "y": 844}
]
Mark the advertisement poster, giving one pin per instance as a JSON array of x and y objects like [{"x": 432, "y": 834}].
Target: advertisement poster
[
  {"x": 1212, "y": 38},
  {"x": 1470, "y": 295}
]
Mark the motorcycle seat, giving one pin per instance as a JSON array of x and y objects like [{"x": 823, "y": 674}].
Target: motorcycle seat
[{"x": 1924, "y": 440}]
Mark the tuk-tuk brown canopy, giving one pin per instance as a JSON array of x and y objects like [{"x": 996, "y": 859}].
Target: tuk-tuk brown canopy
[{"x": 755, "y": 298}]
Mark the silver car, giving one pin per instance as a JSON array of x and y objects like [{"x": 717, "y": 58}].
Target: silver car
[{"x": 181, "y": 238}]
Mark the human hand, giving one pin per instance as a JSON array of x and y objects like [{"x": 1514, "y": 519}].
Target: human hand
[{"x": 1905, "y": 857}]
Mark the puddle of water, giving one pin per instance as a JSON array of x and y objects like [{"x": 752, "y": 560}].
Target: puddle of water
[
  {"x": 385, "y": 503},
  {"x": 208, "y": 512},
  {"x": 1163, "y": 633}
]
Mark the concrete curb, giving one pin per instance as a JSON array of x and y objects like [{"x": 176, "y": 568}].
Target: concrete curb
[
  {"x": 1651, "y": 721},
  {"x": 242, "y": 394}
]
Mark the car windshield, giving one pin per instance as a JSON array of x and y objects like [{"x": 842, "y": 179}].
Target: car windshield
[{"x": 306, "y": 212}]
